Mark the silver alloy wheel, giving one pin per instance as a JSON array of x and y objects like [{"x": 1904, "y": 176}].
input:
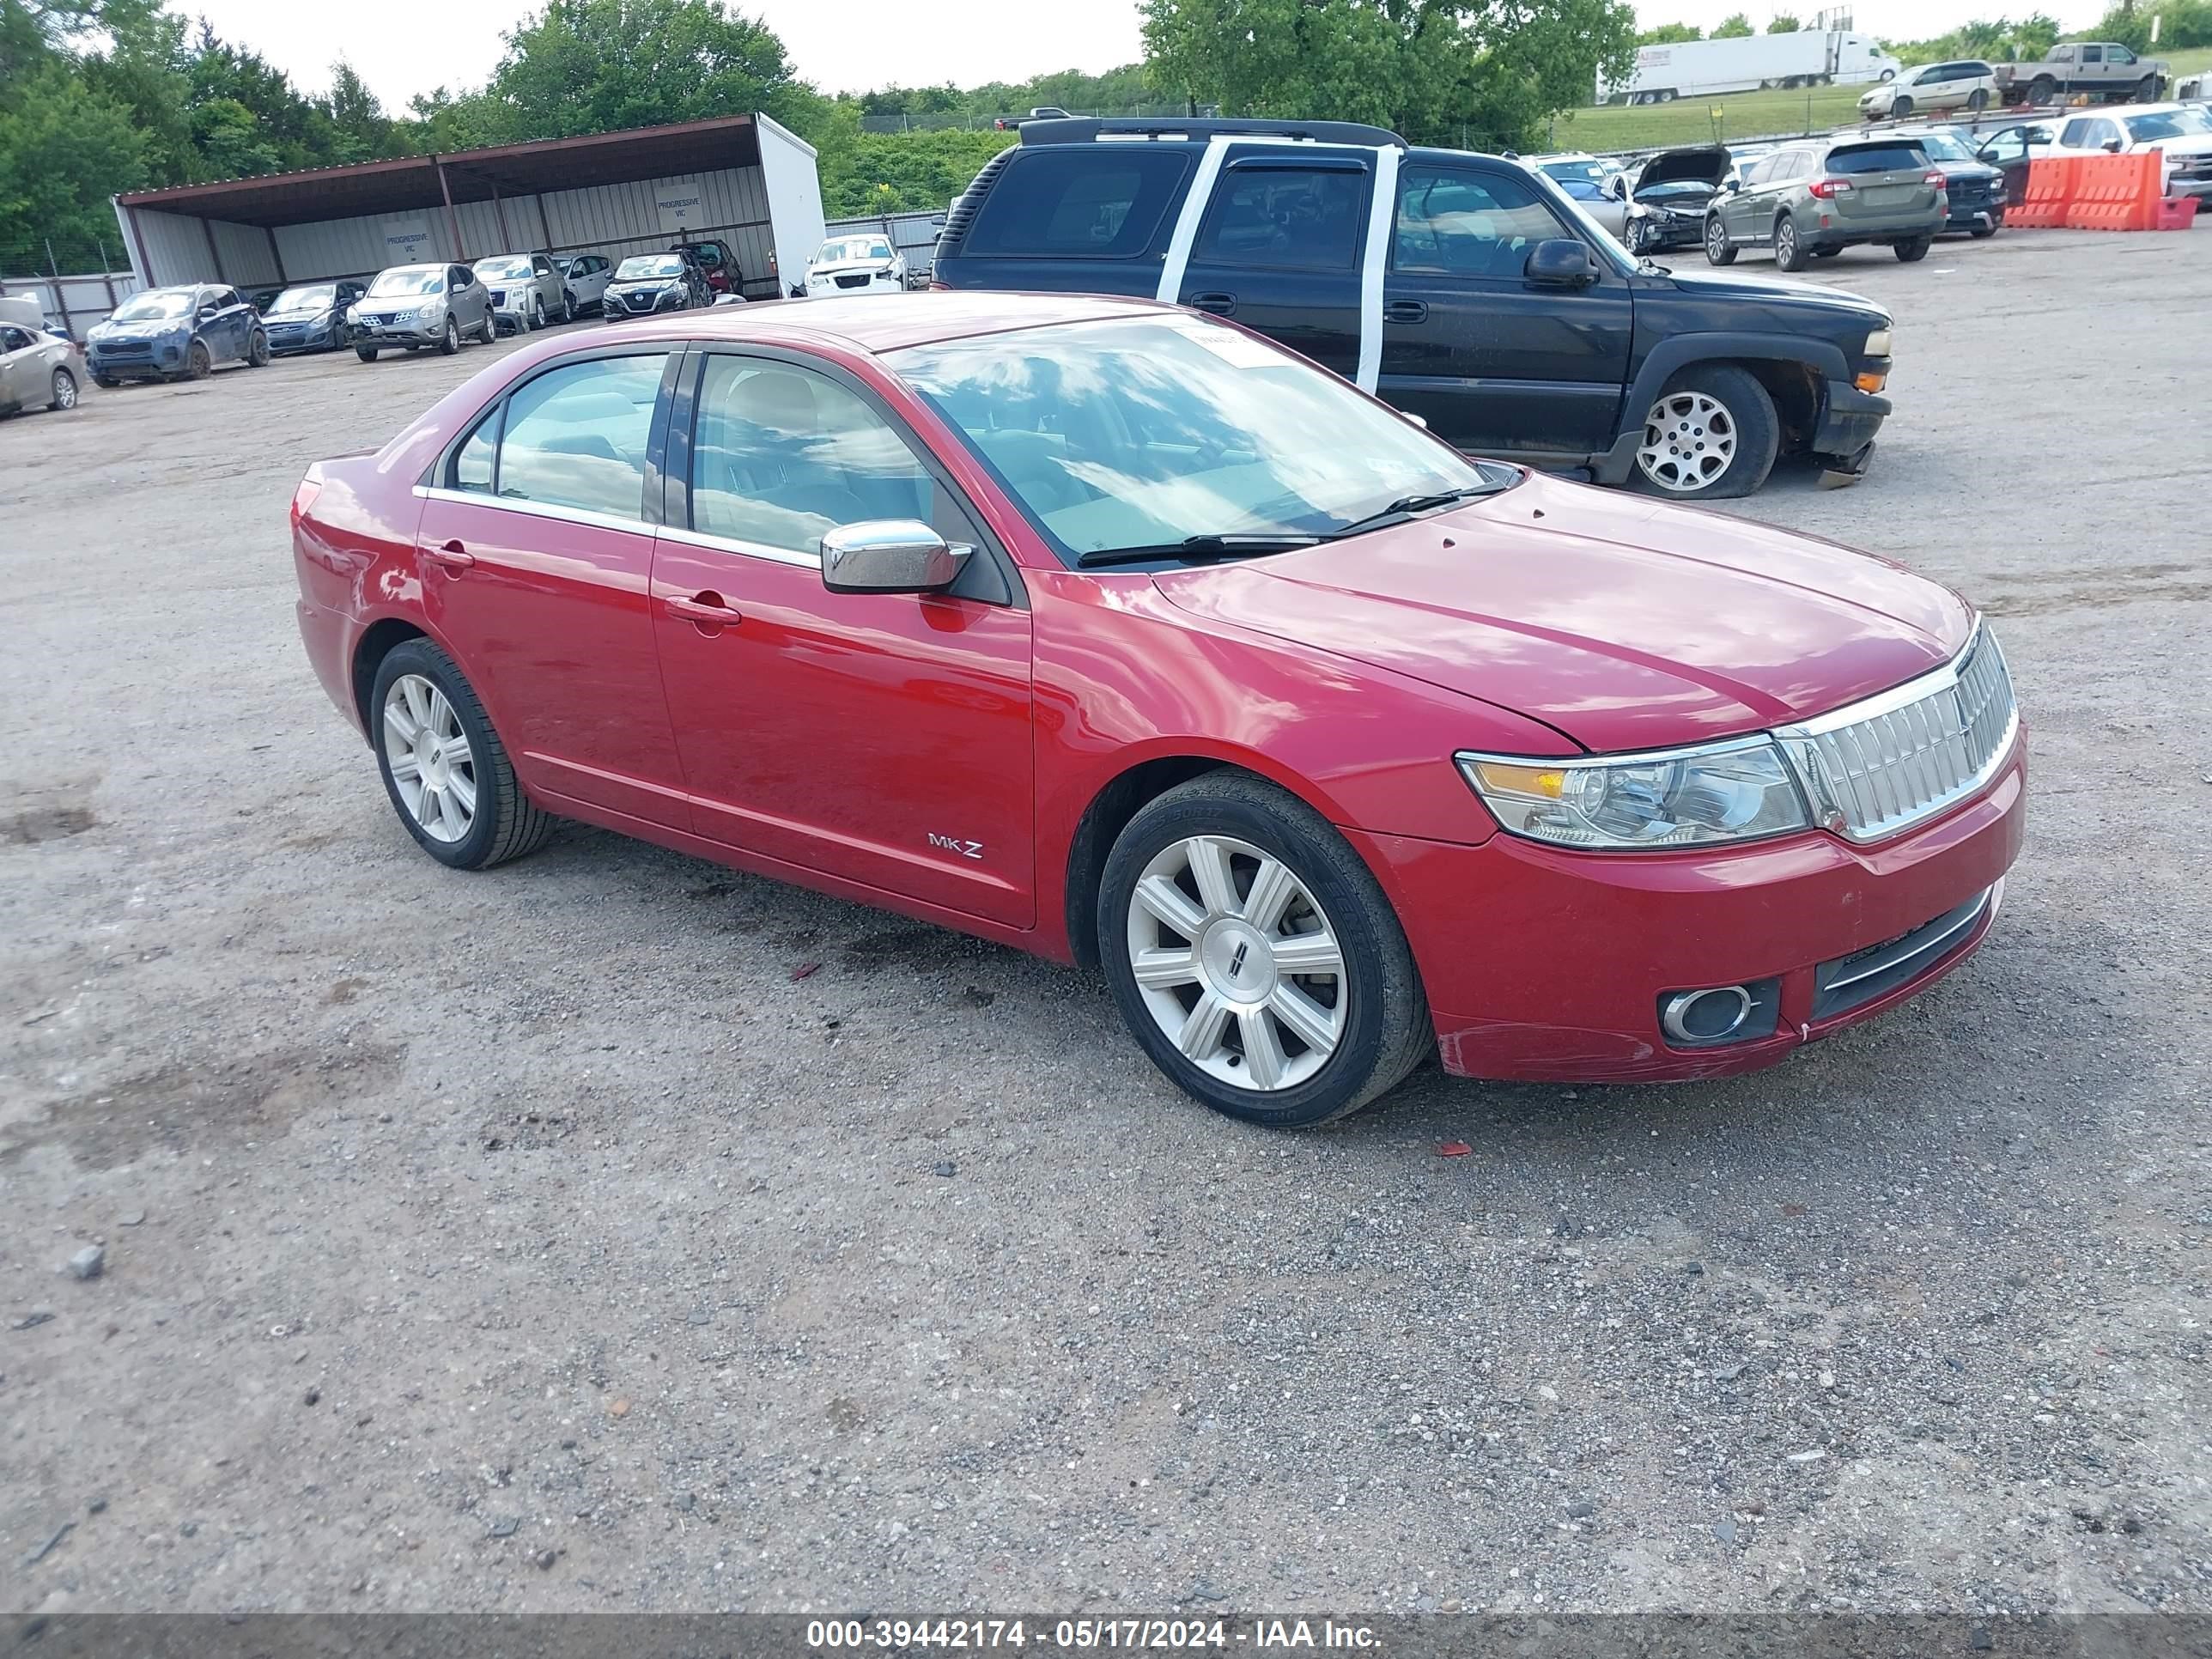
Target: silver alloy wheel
[
  {"x": 430, "y": 758},
  {"x": 64, "y": 389},
  {"x": 1716, "y": 240},
  {"x": 1689, "y": 441},
  {"x": 1237, "y": 963}
]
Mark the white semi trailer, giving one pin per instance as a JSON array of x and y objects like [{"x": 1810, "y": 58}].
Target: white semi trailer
[{"x": 1693, "y": 69}]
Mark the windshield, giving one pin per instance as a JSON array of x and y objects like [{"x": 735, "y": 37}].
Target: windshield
[
  {"x": 1138, "y": 432},
  {"x": 148, "y": 307},
  {"x": 851, "y": 250},
  {"x": 640, "y": 265},
  {"x": 1944, "y": 147},
  {"x": 2168, "y": 123},
  {"x": 320, "y": 296},
  {"x": 514, "y": 264},
  {"x": 409, "y": 279}
]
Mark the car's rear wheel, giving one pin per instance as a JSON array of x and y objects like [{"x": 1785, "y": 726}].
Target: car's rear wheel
[
  {"x": 366, "y": 354},
  {"x": 1977, "y": 100},
  {"x": 64, "y": 390},
  {"x": 107, "y": 382},
  {"x": 1718, "y": 249},
  {"x": 1254, "y": 957},
  {"x": 1711, "y": 434},
  {"x": 1826, "y": 253},
  {"x": 2042, "y": 89},
  {"x": 445, "y": 769},
  {"x": 450, "y": 342},
  {"x": 1788, "y": 248},
  {"x": 1912, "y": 248}
]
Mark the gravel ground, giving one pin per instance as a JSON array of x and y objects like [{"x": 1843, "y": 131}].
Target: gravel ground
[{"x": 534, "y": 1240}]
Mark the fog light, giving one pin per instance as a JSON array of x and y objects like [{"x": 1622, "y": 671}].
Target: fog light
[
  {"x": 1871, "y": 382},
  {"x": 1709, "y": 1016}
]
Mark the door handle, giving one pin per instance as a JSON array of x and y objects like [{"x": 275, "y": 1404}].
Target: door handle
[
  {"x": 1221, "y": 305},
  {"x": 1405, "y": 311},
  {"x": 705, "y": 608},
  {"x": 453, "y": 555}
]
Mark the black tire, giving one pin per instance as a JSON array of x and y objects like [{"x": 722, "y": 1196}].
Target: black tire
[
  {"x": 257, "y": 350},
  {"x": 1899, "y": 107},
  {"x": 198, "y": 365},
  {"x": 1983, "y": 233},
  {"x": 537, "y": 312},
  {"x": 106, "y": 382},
  {"x": 490, "y": 336},
  {"x": 507, "y": 824},
  {"x": 1387, "y": 1027},
  {"x": 450, "y": 342},
  {"x": 1826, "y": 252},
  {"x": 1887, "y": 75},
  {"x": 1719, "y": 250},
  {"x": 366, "y": 354},
  {"x": 1789, "y": 248},
  {"x": 64, "y": 390},
  {"x": 1757, "y": 431},
  {"x": 2042, "y": 90},
  {"x": 1912, "y": 249},
  {"x": 1977, "y": 100},
  {"x": 567, "y": 306},
  {"x": 2146, "y": 90}
]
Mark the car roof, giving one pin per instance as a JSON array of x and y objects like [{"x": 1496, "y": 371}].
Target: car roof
[{"x": 891, "y": 322}]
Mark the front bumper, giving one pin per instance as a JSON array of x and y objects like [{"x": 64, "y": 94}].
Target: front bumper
[
  {"x": 1664, "y": 232},
  {"x": 407, "y": 333},
  {"x": 1549, "y": 965},
  {"x": 283, "y": 343},
  {"x": 876, "y": 282},
  {"x": 162, "y": 358},
  {"x": 645, "y": 304},
  {"x": 1849, "y": 418}
]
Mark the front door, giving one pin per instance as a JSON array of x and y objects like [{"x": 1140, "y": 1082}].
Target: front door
[
  {"x": 20, "y": 365},
  {"x": 1279, "y": 249},
  {"x": 535, "y": 554},
  {"x": 882, "y": 739},
  {"x": 1492, "y": 364}
]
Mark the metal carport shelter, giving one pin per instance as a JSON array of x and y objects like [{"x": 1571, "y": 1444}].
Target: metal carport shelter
[{"x": 742, "y": 178}]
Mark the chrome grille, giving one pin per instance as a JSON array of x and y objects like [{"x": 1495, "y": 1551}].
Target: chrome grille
[{"x": 1885, "y": 764}]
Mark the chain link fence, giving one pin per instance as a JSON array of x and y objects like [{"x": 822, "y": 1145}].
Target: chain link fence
[
  {"x": 948, "y": 121},
  {"x": 76, "y": 280}
]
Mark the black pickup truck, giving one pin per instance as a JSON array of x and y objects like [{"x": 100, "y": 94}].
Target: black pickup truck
[{"x": 1466, "y": 289}]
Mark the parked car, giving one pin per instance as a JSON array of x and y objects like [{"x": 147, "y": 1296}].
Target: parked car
[
  {"x": 1609, "y": 213},
  {"x": 864, "y": 263},
  {"x": 262, "y": 298},
  {"x": 717, "y": 263},
  {"x": 1500, "y": 318},
  {"x": 2011, "y": 149},
  {"x": 1566, "y": 165},
  {"x": 1814, "y": 199},
  {"x": 526, "y": 291},
  {"x": 1673, "y": 191},
  {"x": 38, "y": 368},
  {"x": 175, "y": 333},
  {"x": 647, "y": 282},
  {"x": 312, "y": 316},
  {"x": 1115, "y": 633},
  {"x": 586, "y": 275},
  {"x": 418, "y": 306},
  {"x": 2104, "y": 68},
  {"x": 2180, "y": 133},
  {"x": 1975, "y": 189},
  {"x": 1931, "y": 90}
]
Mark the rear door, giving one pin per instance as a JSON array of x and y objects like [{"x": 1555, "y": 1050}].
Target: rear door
[
  {"x": 1889, "y": 178},
  {"x": 535, "y": 549},
  {"x": 1075, "y": 219},
  {"x": 19, "y": 363},
  {"x": 1280, "y": 245},
  {"x": 1495, "y": 365}
]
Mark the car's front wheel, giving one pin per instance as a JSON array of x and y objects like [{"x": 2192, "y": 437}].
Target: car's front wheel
[
  {"x": 198, "y": 364},
  {"x": 1254, "y": 957},
  {"x": 1718, "y": 249},
  {"x": 450, "y": 342},
  {"x": 1977, "y": 100},
  {"x": 257, "y": 350},
  {"x": 1900, "y": 107},
  {"x": 1788, "y": 248},
  {"x": 445, "y": 769},
  {"x": 366, "y": 354},
  {"x": 1711, "y": 434},
  {"x": 64, "y": 390}
]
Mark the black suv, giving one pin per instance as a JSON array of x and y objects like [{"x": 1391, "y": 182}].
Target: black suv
[{"x": 1466, "y": 289}]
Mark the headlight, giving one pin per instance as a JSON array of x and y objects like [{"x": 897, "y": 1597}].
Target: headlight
[
  {"x": 1877, "y": 342},
  {"x": 1741, "y": 790},
  {"x": 431, "y": 313}
]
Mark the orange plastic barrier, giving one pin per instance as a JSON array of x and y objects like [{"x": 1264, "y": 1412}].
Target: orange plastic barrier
[
  {"x": 2176, "y": 212},
  {"x": 2116, "y": 193},
  {"x": 2049, "y": 189}
]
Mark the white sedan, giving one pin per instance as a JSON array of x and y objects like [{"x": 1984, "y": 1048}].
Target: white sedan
[{"x": 866, "y": 263}]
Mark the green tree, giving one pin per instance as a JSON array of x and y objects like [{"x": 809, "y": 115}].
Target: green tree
[
  {"x": 1734, "y": 27},
  {"x": 364, "y": 132},
  {"x": 1430, "y": 70},
  {"x": 65, "y": 149},
  {"x": 1783, "y": 23},
  {"x": 1670, "y": 34}
]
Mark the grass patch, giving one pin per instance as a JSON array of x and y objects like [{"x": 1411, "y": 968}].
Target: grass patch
[{"x": 1728, "y": 116}]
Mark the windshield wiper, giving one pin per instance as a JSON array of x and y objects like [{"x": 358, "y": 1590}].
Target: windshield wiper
[
  {"x": 1405, "y": 506},
  {"x": 1197, "y": 547}
]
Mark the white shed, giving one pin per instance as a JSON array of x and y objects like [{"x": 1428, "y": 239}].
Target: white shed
[{"x": 742, "y": 179}]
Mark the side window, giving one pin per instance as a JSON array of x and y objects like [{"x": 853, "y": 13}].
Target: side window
[
  {"x": 1286, "y": 218},
  {"x": 473, "y": 461},
  {"x": 1467, "y": 224},
  {"x": 223, "y": 298},
  {"x": 2075, "y": 134},
  {"x": 780, "y": 455},
  {"x": 2106, "y": 132},
  {"x": 575, "y": 436},
  {"x": 1763, "y": 171},
  {"x": 1792, "y": 164},
  {"x": 13, "y": 339},
  {"x": 2093, "y": 54},
  {"x": 458, "y": 277},
  {"x": 2120, "y": 54},
  {"x": 1080, "y": 201}
]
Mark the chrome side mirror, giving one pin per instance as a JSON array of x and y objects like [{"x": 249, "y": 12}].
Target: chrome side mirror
[{"x": 889, "y": 555}]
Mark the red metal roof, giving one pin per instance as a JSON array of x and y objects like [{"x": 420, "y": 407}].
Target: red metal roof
[{"x": 409, "y": 183}]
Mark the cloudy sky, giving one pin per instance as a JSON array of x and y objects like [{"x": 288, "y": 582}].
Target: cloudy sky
[{"x": 402, "y": 47}]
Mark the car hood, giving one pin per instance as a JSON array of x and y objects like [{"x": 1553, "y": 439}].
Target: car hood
[
  {"x": 1707, "y": 166},
  {"x": 848, "y": 265},
  {"x": 1781, "y": 291},
  {"x": 646, "y": 282},
  {"x": 1624, "y": 622},
  {"x": 2195, "y": 144},
  {"x": 152, "y": 328}
]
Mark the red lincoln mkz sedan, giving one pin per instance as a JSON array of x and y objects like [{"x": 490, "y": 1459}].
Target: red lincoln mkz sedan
[{"x": 1115, "y": 633}]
